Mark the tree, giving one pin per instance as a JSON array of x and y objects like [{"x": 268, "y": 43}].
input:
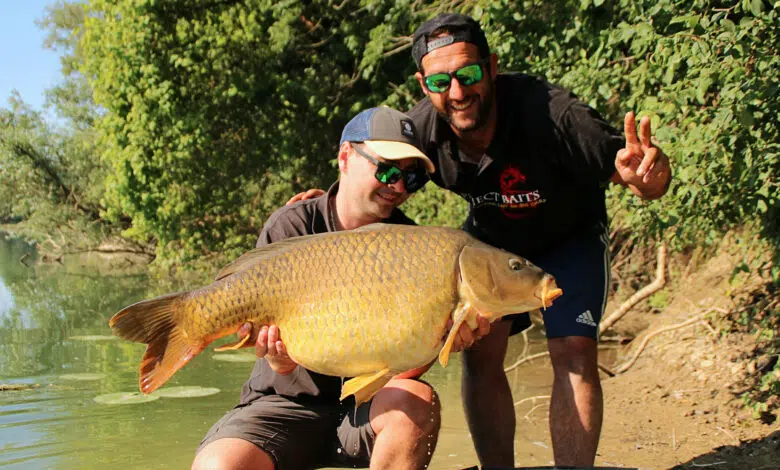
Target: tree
[{"x": 217, "y": 111}]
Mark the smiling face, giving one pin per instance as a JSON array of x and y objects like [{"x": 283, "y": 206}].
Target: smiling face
[
  {"x": 465, "y": 108},
  {"x": 369, "y": 198}
]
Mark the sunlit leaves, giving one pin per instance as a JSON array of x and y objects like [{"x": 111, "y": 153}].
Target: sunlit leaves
[
  {"x": 702, "y": 70},
  {"x": 217, "y": 112}
]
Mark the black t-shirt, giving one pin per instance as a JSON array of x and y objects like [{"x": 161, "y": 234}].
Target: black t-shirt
[
  {"x": 543, "y": 176},
  {"x": 302, "y": 218}
]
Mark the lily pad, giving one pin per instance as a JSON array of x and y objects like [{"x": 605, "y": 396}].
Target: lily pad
[
  {"x": 236, "y": 357},
  {"x": 17, "y": 387},
  {"x": 193, "y": 391},
  {"x": 83, "y": 376},
  {"x": 125, "y": 398},
  {"x": 92, "y": 338}
]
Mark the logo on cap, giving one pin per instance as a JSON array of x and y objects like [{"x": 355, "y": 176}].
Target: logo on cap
[
  {"x": 440, "y": 42},
  {"x": 406, "y": 128}
]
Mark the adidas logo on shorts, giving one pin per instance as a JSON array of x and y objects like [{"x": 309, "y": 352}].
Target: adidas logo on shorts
[{"x": 587, "y": 318}]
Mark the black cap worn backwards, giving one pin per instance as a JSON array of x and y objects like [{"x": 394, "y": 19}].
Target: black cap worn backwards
[{"x": 461, "y": 28}]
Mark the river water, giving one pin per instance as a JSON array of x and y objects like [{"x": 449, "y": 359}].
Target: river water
[{"x": 55, "y": 343}]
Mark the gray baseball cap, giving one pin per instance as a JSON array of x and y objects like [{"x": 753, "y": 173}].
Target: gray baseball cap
[{"x": 388, "y": 133}]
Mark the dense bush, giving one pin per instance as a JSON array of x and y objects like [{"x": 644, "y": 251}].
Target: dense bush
[{"x": 209, "y": 114}]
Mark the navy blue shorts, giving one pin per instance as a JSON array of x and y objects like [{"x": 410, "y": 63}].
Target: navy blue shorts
[{"x": 581, "y": 268}]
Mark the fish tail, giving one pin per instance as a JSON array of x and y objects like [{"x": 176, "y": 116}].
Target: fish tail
[{"x": 155, "y": 323}]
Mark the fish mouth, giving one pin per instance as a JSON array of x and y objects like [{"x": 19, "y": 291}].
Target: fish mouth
[{"x": 549, "y": 291}]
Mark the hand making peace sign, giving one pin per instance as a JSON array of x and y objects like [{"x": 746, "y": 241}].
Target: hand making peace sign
[{"x": 641, "y": 165}]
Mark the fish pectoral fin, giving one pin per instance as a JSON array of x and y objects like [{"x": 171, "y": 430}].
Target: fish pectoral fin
[
  {"x": 444, "y": 353},
  {"x": 365, "y": 386},
  {"x": 233, "y": 346}
]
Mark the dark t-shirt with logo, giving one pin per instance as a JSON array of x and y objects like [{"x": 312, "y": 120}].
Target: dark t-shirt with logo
[
  {"x": 307, "y": 217},
  {"x": 543, "y": 177}
]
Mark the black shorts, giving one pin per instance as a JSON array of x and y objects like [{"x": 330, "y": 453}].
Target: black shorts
[
  {"x": 298, "y": 434},
  {"x": 581, "y": 268}
]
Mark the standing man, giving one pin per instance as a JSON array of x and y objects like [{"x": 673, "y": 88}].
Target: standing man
[
  {"x": 290, "y": 418},
  {"x": 533, "y": 163}
]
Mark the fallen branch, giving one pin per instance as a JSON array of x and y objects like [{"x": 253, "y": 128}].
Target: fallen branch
[
  {"x": 647, "y": 338},
  {"x": 606, "y": 370},
  {"x": 533, "y": 399},
  {"x": 603, "y": 368},
  {"x": 647, "y": 291},
  {"x": 726, "y": 432},
  {"x": 112, "y": 251},
  {"x": 526, "y": 343},
  {"x": 527, "y": 359},
  {"x": 526, "y": 417}
]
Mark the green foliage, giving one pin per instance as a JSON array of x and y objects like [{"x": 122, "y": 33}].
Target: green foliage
[
  {"x": 217, "y": 111},
  {"x": 50, "y": 179},
  {"x": 659, "y": 300},
  {"x": 702, "y": 70},
  {"x": 759, "y": 316},
  {"x": 435, "y": 206},
  {"x": 198, "y": 118}
]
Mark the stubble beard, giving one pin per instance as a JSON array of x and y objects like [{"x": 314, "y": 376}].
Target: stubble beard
[{"x": 483, "y": 112}]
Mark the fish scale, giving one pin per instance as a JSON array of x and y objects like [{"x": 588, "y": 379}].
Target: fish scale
[{"x": 367, "y": 303}]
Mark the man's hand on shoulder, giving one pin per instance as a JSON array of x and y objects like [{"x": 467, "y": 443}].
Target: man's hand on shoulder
[
  {"x": 310, "y": 194},
  {"x": 643, "y": 167}
]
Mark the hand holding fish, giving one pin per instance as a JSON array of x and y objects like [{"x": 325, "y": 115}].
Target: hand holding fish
[
  {"x": 466, "y": 336},
  {"x": 269, "y": 345},
  {"x": 361, "y": 337},
  {"x": 643, "y": 167}
]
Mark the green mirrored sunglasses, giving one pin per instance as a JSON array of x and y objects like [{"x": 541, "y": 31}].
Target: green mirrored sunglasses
[
  {"x": 388, "y": 173},
  {"x": 466, "y": 76}
]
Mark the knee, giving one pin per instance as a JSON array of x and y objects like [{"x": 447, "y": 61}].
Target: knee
[
  {"x": 574, "y": 355},
  {"x": 208, "y": 460},
  {"x": 410, "y": 404},
  {"x": 230, "y": 453}
]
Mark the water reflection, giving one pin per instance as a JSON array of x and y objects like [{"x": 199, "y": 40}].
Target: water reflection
[
  {"x": 52, "y": 319},
  {"x": 6, "y": 299}
]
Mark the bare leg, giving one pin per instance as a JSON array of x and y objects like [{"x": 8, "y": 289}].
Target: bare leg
[
  {"x": 405, "y": 416},
  {"x": 232, "y": 453},
  {"x": 576, "y": 407},
  {"x": 487, "y": 398}
]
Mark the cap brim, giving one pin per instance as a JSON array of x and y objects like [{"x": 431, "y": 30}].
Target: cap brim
[{"x": 392, "y": 150}]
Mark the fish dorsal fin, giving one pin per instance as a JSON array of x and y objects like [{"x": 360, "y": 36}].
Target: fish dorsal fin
[
  {"x": 250, "y": 258},
  {"x": 477, "y": 277},
  {"x": 376, "y": 227},
  {"x": 253, "y": 256}
]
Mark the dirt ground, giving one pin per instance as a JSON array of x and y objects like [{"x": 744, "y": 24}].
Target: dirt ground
[{"x": 678, "y": 406}]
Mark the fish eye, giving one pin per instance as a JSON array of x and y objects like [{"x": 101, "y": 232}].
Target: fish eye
[{"x": 516, "y": 264}]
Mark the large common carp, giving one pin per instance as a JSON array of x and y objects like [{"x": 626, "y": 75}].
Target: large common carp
[{"x": 366, "y": 303}]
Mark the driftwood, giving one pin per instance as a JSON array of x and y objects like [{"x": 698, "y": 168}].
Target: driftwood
[
  {"x": 647, "y": 291},
  {"x": 640, "y": 349},
  {"x": 656, "y": 285},
  {"x": 643, "y": 344},
  {"x": 532, "y": 399},
  {"x": 527, "y": 359}
]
